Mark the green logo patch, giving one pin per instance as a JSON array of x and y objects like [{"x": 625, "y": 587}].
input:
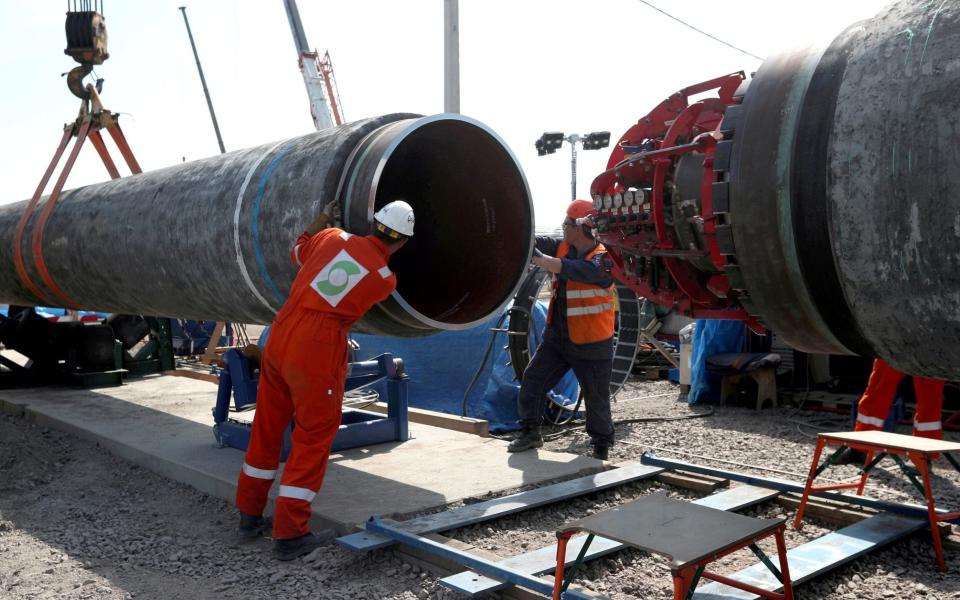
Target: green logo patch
[{"x": 338, "y": 277}]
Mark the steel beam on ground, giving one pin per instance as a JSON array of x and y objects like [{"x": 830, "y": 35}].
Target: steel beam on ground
[
  {"x": 471, "y": 514},
  {"x": 909, "y": 510},
  {"x": 820, "y": 555},
  {"x": 544, "y": 560},
  {"x": 473, "y": 561}
]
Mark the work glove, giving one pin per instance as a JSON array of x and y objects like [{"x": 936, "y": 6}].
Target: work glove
[{"x": 332, "y": 212}]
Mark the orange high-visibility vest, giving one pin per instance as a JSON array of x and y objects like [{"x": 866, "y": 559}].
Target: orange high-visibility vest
[{"x": 591, "y": 310}]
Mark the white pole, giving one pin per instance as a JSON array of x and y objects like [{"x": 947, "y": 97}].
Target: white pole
[
  {"x": 573, "y": 139},
  {"x": 451, "y": 56}
]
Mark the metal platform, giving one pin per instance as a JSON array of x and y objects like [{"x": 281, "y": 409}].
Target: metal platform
[
  {"x": 485, "y": 575},
  {"x": 683, "y": 531},
  {"x": 163, "y": 424}
]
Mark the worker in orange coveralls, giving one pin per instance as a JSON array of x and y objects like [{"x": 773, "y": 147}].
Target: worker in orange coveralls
[
  {"x": 881, "y": 389},
  {"x": 875, "y": 404},
  {"x": 304, "y": 367}
]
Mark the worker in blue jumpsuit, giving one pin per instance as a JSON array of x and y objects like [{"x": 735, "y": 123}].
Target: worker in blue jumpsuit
[{"x": 579, "y": 332}]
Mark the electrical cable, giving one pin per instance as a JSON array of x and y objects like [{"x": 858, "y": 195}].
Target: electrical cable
[
  {"x": 828, "y": 422},
  {"x": 360, "y": 397},
  {"x": 575, "y": 425},
  {"x": 561, "y": 410},
  {"x": 700, "y": 31},
  {"x": 483, "y": 363},
  {"x": 708, "y": 413}
]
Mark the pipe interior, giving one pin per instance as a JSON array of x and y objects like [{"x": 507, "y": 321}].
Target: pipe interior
[{"x": 473, "y": 221}]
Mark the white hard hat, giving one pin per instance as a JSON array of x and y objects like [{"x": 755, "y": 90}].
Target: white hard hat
[{"x": 396, "y": 216}]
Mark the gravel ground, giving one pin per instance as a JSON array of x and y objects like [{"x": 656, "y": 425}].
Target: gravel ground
[
  {"x": 77, "y": 522},
  {"x": 780, "y": 438}
]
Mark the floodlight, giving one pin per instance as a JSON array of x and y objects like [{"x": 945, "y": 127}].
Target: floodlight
[
  {"x": 550, "y": 142},
  {"x": 596, "y": 140}
]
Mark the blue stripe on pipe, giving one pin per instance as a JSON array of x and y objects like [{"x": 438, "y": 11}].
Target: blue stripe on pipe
[{"x": 258, "y": 253}]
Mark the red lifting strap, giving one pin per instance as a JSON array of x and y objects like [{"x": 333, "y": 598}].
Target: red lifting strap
[{"x": 86, "y": 130}]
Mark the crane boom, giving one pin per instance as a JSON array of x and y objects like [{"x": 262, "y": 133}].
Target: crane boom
[{"x": 310, "y": 69}]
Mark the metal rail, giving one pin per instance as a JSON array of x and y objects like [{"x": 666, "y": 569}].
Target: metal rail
[
  {"x": 910, "y": 510},
  {"x": 485, "y": 576}
]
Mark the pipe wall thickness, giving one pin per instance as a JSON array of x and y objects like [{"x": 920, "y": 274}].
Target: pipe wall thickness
[{"x": 211, "y": 239}]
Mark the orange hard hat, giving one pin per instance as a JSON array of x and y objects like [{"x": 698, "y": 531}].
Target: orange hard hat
[{"x": 578, "y": 209}]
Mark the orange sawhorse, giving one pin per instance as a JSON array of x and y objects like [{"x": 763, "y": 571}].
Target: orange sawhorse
[
  {"x": 877, "y": 445},
  {"x": 90, "y": 120},
  {"x": 692, "y": 536}
]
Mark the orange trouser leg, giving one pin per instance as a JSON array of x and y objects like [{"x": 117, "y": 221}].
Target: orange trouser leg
[
  {"x": 875, "y": 403},
  {"x": 274, "y": 411},
  {"x": 926, "y": 421},
  {"x": 314, "y": 368}
]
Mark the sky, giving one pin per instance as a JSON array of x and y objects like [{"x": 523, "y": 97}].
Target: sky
[{"x": 526, "y": 67}]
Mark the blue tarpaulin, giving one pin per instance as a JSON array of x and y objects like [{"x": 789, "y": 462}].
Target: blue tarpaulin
[
  {"x": 441, "y": 367},
  {"x": 711, "y": 337},
  {"x": 191, "y": 337}
]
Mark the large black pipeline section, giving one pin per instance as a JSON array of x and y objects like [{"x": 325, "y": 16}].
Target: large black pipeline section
[
  {"x": 845, "y": 191},
  {"x": 211, "y": 239}
]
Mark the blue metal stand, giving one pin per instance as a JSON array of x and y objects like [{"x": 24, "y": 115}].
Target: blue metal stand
[{"x": 357, "y": 427}]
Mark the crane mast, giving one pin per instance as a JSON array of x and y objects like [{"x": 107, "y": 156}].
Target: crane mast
[{"x": 313, "y": 75}]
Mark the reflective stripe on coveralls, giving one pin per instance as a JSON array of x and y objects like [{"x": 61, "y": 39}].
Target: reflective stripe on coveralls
[
  {"x": 591, "y": 310},
  {"x": 303, "y": 371},
  {"x": 259, "y": 473}
]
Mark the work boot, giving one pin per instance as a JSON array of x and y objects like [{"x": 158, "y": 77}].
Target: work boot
[
  {"x": 601, "y": 452},
  {"x": 849, "y": 456},
  {"x": 252, "y": 527},
  {"x": 529, "y": 438},
  {"x": 292, "y": 548}
]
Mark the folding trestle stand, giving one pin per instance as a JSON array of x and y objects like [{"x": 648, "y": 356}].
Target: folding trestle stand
[
  {"x": 692, "y": 536},
  {"x": 877, "y": 445},
  {"x": 358, "y": 428}
]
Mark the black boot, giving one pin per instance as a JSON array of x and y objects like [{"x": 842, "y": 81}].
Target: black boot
[
  {"x": 529, "y": 438},
  {"x": 601, "y": 452},
  {"x": 251, "y": 527},
  {"x": 292, "y": 548},
  {"x": 849, "y": 456}
]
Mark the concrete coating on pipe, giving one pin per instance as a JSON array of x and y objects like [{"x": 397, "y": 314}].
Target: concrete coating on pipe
[{"x": 211, "y": 239}]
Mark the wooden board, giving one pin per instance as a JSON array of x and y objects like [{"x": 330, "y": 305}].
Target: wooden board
[
  {"x": 698, "y": 483},
  {"x": 438, "y": 419},
  {"x": 898, "y": 441}
]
